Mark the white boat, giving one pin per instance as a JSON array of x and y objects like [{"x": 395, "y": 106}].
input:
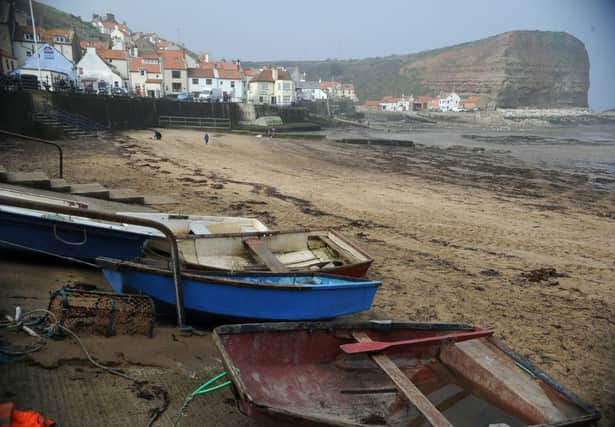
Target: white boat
[{"x": 200, "y": 225}]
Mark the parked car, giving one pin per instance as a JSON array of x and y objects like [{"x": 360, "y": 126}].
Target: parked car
[
  {"x": 210, "y": 95},
  {"x": 184, "y": 96},
  {"x": 119, "y": 91}
]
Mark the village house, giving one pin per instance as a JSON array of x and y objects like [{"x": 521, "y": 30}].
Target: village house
[
  {"x": 272, "y": 86},
  {"x": 119, "y": 60},
  {"x": 230, "y": 81},
  {"x": 93, "y": 72},
  {"x": 337, "y": 90},
  {"x": 449, "y": 102},
  {"x": 63, "y": 40},
  {"x": 55, "y": 69},
  {"x": 146, "y": 76},
  {"x": 175, "y": 74},
  {"x": 393, "y": 104},
  {"x": 8, "y": 61},
  {"x": 98, "y": 44},
  {"x": 372, "y": 105},
  {"x": 309, "y": 91},
  {"x": 201, "y": 80},
  {"x": 421, "y": 103}
]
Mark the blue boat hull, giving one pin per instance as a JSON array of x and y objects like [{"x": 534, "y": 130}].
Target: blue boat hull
[
  {"x": 268, "y": 297},
  {"x": 59, "y": 238}
]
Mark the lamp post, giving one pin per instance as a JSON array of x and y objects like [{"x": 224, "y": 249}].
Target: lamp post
[{"x": 38, "y": 58}]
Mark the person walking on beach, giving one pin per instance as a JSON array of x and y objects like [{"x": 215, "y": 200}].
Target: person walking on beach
[{"x": 206, "y": 138}]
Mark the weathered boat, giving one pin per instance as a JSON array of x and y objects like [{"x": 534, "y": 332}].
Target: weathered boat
[
  {"x": 278, "y": 251},
  {"x": 266, "y": 296},
  {"x": 70, "y": 236},
  {"x": 200, "y": 225},
  {"x": 389, "y": 373},
  {"x": 79, "y": 238}
]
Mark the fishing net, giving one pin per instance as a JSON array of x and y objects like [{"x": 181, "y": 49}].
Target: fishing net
[{"x": 103, "y": 313}]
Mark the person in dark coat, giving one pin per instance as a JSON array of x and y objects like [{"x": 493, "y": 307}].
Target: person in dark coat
[{"x": 206, "y": 138}]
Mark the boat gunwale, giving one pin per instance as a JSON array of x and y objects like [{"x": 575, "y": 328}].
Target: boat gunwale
[
  {"x": 591, "y": 415},
  {"x": 218, "y": 278}
]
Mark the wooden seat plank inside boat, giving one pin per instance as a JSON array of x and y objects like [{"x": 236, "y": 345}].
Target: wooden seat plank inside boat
[
  {"x": 259, "y": 249},
  {"x": 405, "y": 386}
]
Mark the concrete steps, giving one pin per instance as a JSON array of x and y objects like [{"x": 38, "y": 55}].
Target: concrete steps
[
  {"x": 94, "y": 189},
  {"x": 29, "y": 179}
]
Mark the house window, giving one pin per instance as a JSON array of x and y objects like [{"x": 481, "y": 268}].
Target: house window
[
  {"x": 28, "y": 53},
  {"x": 177, "y": 87},
  {"x": 221, "y": 82},
  {"x": 142, "y": 72},
  {"x": 195, "y": 81},
  {"x": 260, "y": 99},
  {"x": 286, "y": 86},
  {"x": 232, "y": 83},
  {"x": 28, "y": 36},
  {"x": 175, "y": 74},
  {"x": 208, "y": 81},
  {"x": 59, "y": 39}
]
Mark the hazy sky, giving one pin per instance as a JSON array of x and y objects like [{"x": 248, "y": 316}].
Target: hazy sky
[{"x": 320, "y": 29}]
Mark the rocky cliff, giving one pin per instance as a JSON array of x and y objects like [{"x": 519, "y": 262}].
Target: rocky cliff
[{"x": 515, "y": 69}]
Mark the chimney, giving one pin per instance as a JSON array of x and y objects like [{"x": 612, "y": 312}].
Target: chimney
[{"x": 110, "y": 17}]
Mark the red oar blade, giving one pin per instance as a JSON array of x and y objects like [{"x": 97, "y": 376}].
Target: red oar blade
[{"x": 370, "y": 347}]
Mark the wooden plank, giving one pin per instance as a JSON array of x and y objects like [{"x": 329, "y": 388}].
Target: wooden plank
[
  {"x": 259, "y": 249},
  {"x": 341, "y": 252},
  {"x": 405, "y": 386}
]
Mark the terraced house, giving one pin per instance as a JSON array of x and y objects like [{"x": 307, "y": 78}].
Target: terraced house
[
  {"x": 175, "y": 74},
  {"x": 272, "y": 86}
]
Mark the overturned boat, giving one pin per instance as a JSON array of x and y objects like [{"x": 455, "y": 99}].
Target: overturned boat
[
  {"x": 389, "y": 374},
  {"x": 265, "y": 296},
  {"x": 319, "y": 249}
]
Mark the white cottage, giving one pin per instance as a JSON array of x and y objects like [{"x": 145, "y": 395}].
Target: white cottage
[{"x": 93, "y": 72}]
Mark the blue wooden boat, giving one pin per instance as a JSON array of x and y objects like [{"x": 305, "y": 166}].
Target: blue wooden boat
[
  {"x": 70, "y": 236},
  {"x": 265, "y": 296}
]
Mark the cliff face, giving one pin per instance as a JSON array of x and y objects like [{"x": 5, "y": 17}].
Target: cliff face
[{"x": 516, "y": 69}]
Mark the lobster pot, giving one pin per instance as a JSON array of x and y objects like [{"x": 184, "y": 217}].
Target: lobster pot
[{"x": 103, "y": 313}]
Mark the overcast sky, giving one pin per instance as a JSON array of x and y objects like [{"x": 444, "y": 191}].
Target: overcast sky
[{"x": 320, "y": 29}]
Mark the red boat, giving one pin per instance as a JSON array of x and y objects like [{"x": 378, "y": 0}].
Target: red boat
[{"x": 387, "y": 373}]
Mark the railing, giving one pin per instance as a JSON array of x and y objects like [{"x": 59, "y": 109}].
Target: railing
[
  {"x": 121, "y": 219},
  {"x": 194, "y": 122},
  {"x": 75, "y": 120},
  {"x": 42, "y": 141}
]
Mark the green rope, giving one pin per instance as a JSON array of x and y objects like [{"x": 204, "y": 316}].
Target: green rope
[
  {"x": 530, "y": 373},
  {"x": 204, "y": 388}
]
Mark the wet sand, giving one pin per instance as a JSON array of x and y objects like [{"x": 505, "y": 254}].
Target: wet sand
[{"x": 454, "y": 232}]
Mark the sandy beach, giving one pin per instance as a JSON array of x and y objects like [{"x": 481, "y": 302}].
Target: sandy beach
[{"x": 456, "y": 233}]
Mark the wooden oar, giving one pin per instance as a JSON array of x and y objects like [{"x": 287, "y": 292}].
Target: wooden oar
[{"x": 372, "y": 346}]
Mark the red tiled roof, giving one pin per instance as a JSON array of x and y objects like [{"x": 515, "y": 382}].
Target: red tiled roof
[
  {"x": 137, "y": 64},
  {"x": 422, "y": 99},
  {"x": 225, "y": 65},
  {"x": 112, "y": 54},
  {"x": 372, "y": 103},
  {"x": 328, "y": 84},
  {"x": 203, "y": 73},
  {"x": 283, "y": 75},
  {"x": 348, "y": 86},
  {"x": 163, "y": 43},
  {"x": 390, "y": 99},
  {"x": 5, "y": 54},
  {"x": 249, "y": 72},
  {"x": 173, "y": 60},
  {"x": 229, "y": 74},
  {"x": 207, "y": 65},
  {"x": 471, "y": 100},
  {"x": 264, "y": 76}
]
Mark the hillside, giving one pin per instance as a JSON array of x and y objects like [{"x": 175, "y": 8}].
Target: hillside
[
  {"x": 515, "y": 69},
  {"x": 50, "y": 17}
]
